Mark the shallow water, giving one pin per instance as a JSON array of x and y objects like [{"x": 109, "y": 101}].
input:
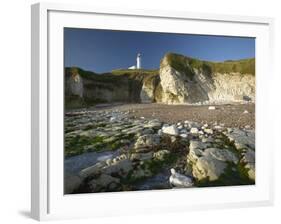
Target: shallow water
[
  {"x": 159, "y": 181},
  {"x": 75, "y": 164}
]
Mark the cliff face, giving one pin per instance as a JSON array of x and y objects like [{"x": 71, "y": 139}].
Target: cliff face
[
  {"x": 186, "y": 80},
  {"x": 179, "y": 80},
  {"x": 83, "y": 88}
]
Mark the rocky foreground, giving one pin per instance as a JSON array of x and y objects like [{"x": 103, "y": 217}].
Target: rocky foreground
[{"x": 110, "y": 150}]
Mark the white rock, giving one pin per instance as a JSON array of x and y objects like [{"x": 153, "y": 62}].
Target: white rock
[
  {"x": 208, "y": 131},
  {"x": 211, "y": 107},
  {"x": 194, "y": 130},
  {"x": 179, "y": 180},
  {"x": 204, "y": 126},
  {"x": 173, "y": 139},
  {"x": 170, "y": 130},
  {"x": 201, "y": 132},
  {"x": 180, "y": 127},
  {"x": 113, "y": 119},
  {"x": 217, "y": 127},
  {"x": 183, "y": 135},
  {"x": 245, "y": 112}
]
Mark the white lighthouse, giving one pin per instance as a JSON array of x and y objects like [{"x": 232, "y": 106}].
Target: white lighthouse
[
  {"x": 139, "y": 61},
  {"x": 138, "y": 65}
]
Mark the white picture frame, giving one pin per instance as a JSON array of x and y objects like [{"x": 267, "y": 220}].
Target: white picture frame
[{"x": 48, "y": 201}]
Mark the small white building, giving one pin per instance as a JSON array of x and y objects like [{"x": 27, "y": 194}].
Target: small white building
[{"x": 138, "y": 65}]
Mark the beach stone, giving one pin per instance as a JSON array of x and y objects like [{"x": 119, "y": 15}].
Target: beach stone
[
  {"x": 194, "y": 130},
  {"x": 204, "y": 126},
  {"x": 191, "y": 124},
  {"x": 180, "y": 127},
  {"x": 170, "y": 130},
  {"x": 208, "y": 131},
  {"x": 211, "y": 108},
  {"x": 183, "y": 135}
]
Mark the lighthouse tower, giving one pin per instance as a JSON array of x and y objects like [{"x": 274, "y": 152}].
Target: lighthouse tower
[{"x": 139, "y": 61}]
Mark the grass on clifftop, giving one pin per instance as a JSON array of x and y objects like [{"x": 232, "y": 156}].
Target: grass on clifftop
[
  {"x": 105, "y": 78},
  {"x": 135, "y": 72},
  {"x": 186, "y": 65},
  {"x": 114, "y": 75}
]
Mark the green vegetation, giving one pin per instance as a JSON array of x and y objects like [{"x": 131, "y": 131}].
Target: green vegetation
[
  {"x": 137, "y": 74},
  {"x": 104, "y": 78},
  {"x": 180, "y": 63},
  {"x": 186, "y": 65},
  {"x": 75, "y": 145},
  {"x": 134, "y": 72}
]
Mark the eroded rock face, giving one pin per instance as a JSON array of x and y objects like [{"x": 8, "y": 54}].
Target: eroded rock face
[
  {"x": 149, "y": 85},
  {"x": 194, "y": 85},
  {"x": 184, "y": 80}
]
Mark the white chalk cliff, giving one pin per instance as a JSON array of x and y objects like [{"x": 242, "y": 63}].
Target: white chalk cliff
[{"x": 200, "y": 84}]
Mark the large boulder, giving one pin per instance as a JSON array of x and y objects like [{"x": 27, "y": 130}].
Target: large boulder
[
  {"x": 209, "y": 162},
  {"x": 242, "y": 139},
  {"x": 208, "y": 167}
]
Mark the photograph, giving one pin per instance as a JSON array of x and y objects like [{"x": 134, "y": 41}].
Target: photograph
[{"x": 157, "y": 110}]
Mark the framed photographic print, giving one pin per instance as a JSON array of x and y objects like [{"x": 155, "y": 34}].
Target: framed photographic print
[{"x": 148, "y": 111}]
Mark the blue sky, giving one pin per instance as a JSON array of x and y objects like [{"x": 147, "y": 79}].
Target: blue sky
[{"x": 104, "y": 50}]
